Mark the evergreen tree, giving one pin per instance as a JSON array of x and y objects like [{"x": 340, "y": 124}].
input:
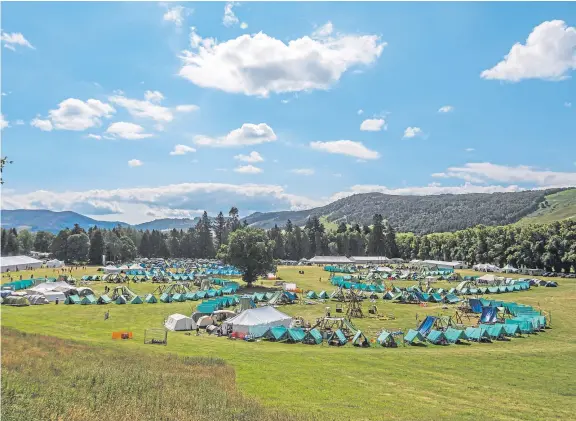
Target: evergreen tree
[
  {"x": 12, "y": 246},
  {"x": 205, "y": 243},
  {"x": 145, "y": 249},
  {"x": 25, "y": 241},
  {"x": 43, "y": 241},
  {"x": 60, "y": 244},
  {"x": 97, "y": 247},
  {"x": 220, "y": 230},
  {"x": 128, "y": 249},
  {"x": 77, "y": 247}
]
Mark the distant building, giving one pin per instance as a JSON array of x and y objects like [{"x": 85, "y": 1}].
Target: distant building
[
  {"x": 365, "y": 260},
  {"x": 330, "y": 260},
  {"x": 443, "y": 265}
]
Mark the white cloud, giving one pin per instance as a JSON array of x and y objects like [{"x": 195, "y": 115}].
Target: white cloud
[
  {"x": 373, "y": 125},
  {"x": 486, "y": 171},
  {"x": 153, "y": 96},
  {"x": 14, "y": 39},
  {"x": 248, "y": 169},
  {"x": 4, "y": 94},
  {"x": 259, "y": 64},
  {"x": 469, "y": 149},
  {"x": 303, "y": 171},
  {"x": 346, "y": 147},
  {"x": 446, "y": 109},
  {"x": 182, "y": 150},
  {"x": 20, "y": 122},
  {"x": 176, "y": 14},
  {"x": 251, "y": 158},
  {"x": 146, "y": 108},
  {"x": 134, "y": 163},
  {"x": 173, "y": 213},
  {"x": 75, "y": 114},
  {"x": 568, "y": 104},
  {"x": 243, "y": 25},
  {"x": 248, "y": 134},
  {"x": 44, "y": 125},
  {"x": 549, "y": 53},
  {"x": 125, "y": 130},
  {"x": 229, "y": 18},
  {"x": 3, "y": 123},
  {"x": 94, "y": 136},
  {"x": 324, "y": 31},
  {"x": 187, "y": 108},
  {"x": 412, "y": 132},
  {"x": 360, "y": 112}
]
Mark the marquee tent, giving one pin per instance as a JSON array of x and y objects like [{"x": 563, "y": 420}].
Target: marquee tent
[
  {"x": 178, "y": 322},
  {"x": 13, "y": 263},
  {"x": 55, "y": 263},
  {"x": 257, "y": 320}
]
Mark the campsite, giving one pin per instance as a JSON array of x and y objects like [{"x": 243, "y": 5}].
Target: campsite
[{"x": 378, "y": 380}]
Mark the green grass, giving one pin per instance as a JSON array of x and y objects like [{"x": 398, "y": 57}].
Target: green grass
[
  {"x": 527, "y": 378},
  {"x": 562, "y": 206}
]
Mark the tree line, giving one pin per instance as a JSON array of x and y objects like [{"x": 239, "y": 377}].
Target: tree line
[{"x": 551, "y": 246}]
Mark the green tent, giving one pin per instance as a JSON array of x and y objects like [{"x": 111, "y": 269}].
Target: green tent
[
  {"x": 512, "y": 330},
  {"x": 121, "y": 300},
  {"x": 277, "y": 333},
  {"x": 165, "y": 298},
  {"x": 150, "y": 299},
  {"x": 311, "y": 295},
  {"x": 16, "y": 301},
  {"x": 386, "y": 339},
  {"x": 104, "y": 299},
  {"x": 477, "y": 334},
  {"x": 312, "y": 337},
  {"x": 295, "y": 334},
  {"x": 437, "y": 337},
  {"x": 89, "y": 299},
  {"x": 323, "y": 295},
  {"x": 178, "y": 297},
  {"x": 337, "y": 338},
  {"x": 412, "y": 336},
  {"x": 454, "y": 335},
  {"x": 435, "y": 298},
  {"x": 360, "y": 340},
  {"x": 136, "y": 300},
  {"x": 72, "y": 299},
  {"x": 451, "y": 299}
]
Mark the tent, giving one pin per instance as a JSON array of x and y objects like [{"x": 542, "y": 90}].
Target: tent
[
  {"x": 295, "y": 334},
  {"x": 360, "y": 340},
  {"x": 13, "y": 263},
  {"x": 412, "y": 336},
  {"x": 121, "y": 300},
  {"x": 437, "y": 337},
  {"x": 511, "y": 330},
  {"x": 477, "y": 334},
  {"x": 427, "y": 325},
  {"x": 17, "y": 301},
  {"x": 495, "y": 331},
  {"x": 136, "y": 300},
  {"x": 150, "y": 299},
  {"x": 104, "y": 299},
  {"x": 323, "y": 295},
  {"x": 37, "y": 299},
  {"x": 205, "y": 321},
  {"x": 489, "y": 315},
  {"x": 55, "y": 263},
  {"x": 88, "y": 299},
  {"x": 311, "y": 295},
  {"x": 257, "y": 321},
  {"x": 52, "y": 296},
  {"x": 178, "y": 322},
  {"x": 337, "y": 338},
  {"x": 451, "y": 299},
  {"x": 454, "y": 335},
  {"x": 312, "y": 337},
  {"x": 277, "y": 333},
  {"x": 386, "y": 339},
  {"x": 84, "y": 291},
  {"x": 72, "y": 299},
  {"x": 165, "y": 298}
]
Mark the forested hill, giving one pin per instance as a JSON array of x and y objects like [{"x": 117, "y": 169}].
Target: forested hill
[{"x": 419, "y": 214}]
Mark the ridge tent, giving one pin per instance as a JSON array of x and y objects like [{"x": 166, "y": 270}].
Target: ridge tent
[
  {"x": 72, "y": 299},
  {"x": 437, "y": 337},
  {"x": 337, "y": 338},
  {"x": 511, "y": 329},
  {"x": 120, "y": 300},
  {"x": 151, "y": 299},
  {"x": 489, "y": 315},
  {"x": 495, "y": 331},
  {"x": 136, "y": 300},
  {"x": 103, "y": 299},
  {"x": 427, "y": 325},
  {"x": 165, "y": 298},
  {"x": 88, "y": 299},
  {"x": 387, "y": 340},
  {"x": 477, "y": 334},
  {"x": 178, "y": 297},
  {"x": 323, "y": 295},
  {"x": 295, "y": 334},
  {"x": 454, "y": 335},
  {"x": 177, "y": 322},
  {"x": 311, "y": 295},
  {"x": 277, "y": 333},
  {"x": 312, "y": 337},
  {"x": 360, "y": 340},
  {"x": 413, "y": 336},
  {"x": 451, "y": 299},
  {"x": 435, "y": 298}
]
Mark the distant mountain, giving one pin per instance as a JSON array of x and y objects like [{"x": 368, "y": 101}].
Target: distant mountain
[
  {"x": 45, "y": 220},
  {"x": 420, "y": 214},
  {"x": 168, "y": 223}
]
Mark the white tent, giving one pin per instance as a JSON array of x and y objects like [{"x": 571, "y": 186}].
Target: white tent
[
  {"x": 178, "y": 322},
  {"x": 262, "y": 317},
  {"x": 509, "y": 269},
  {"x": 135, "y": 267},
  {"x": 37, "y": 299},
  {"x": 14, "y": 263},
  {"x": 112, "y": 269},
  {"x": 52, "y": 296},
  {"x": 489, "y": 279},
  {"x": 55, "y": 263}
]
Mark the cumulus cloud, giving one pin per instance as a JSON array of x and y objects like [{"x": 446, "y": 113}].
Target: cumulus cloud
[
  {"x": 11, "y": 41},
  {"x": 243, "y": 25},
  {"x": 346, "y": 147},
  {"x": 176, "y": 15},
  {"x": 94, "y": 136},
  {"x": 412, "y": 132},
  {"x": 248, "y": 134},
  {"x": 303, "y": 171},
  {"x": 486, "y": 171},
  {"x": 173, "y": 213},
  {"x": 229, "y": 18},
  {"x": 259, "y": 64},
  {"x": 446, "y": 109},
  {"x": 373, "y": 125},
  {"x": 252, "y": 157},
  {"x": 134, "y": 163},
  {"x": 182, "y": 150},
  {"x": 3, "y": 123},
  {"x": 148, "y": 108},
  {"x": 549, "y": 53},
  {"x": 125, "y": 130},
  {"x": 187, "y": 108},
  {"x": 248, "y": 169},
  {"x": 75, "y": 114}
]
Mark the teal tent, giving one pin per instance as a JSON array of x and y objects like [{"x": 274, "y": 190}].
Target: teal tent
[
  {"x": 477, "y": 334},
  {"x": 414, "y": 336},
  {"x": 165, "y": 298},
  {"x": 360, "y": 340},
  {"x": 72, "y": 299},
  {"x": 151, "y": 299},
  {"x": 89, "y": 299},
  {"x": 121, "y": 300},
  {"x": 454, "y": 335},
  {"x": 277, "y": 333},
  {"x": 295, "y": 334},
  {"x": 104, "y": 299},
  {"x": 337, "y": 338},
  {"x": 311, "y": 295},
  {"x": 386, "y": 339},
  {"x": 136, "y": 300},
  {"x": 437, "y": 337},
  {"x": 512, "y": 330},
  {"x": 323, "y": 295},
  {"x": 312, "y": 337}
]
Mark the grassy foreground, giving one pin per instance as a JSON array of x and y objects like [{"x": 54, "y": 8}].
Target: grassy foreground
[{"x": 529, "y": 378}]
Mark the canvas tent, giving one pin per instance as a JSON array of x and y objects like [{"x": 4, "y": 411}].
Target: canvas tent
[
  {"x": 178, "y": 322},
  {"x": 55, "y": 263},
  {"x": 13, "y": 263},
  {"x": 313, "y": 337},
  {"x": 257, "y": 321}
]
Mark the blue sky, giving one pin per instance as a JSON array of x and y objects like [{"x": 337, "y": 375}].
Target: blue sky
[{"x": 133, "y": 111}]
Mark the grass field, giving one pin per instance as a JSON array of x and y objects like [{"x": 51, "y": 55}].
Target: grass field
[
  {"x": 562, "y": 206},
  {"x": 530, "y": 378}
]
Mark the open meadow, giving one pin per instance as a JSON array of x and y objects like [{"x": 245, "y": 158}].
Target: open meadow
[{"x": 528, "y": 378}]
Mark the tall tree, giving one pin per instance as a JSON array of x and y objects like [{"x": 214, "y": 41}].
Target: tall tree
[
  {"x": 128, "y": 249},
  {"x": 145, "y": 249},
  {"x": 42, "y": 241},
  {"x": 26, "y": 241},
  {"x": 77, "y": 248},
  {"x": 12, "y": 246},
  {"x": 97, "y": 247},
  {"x": 234, "y": 220},
  {"x": 220, "y": 230},
  {"x": 205, "y": 243},
  {"x": 60, "y": 244},
  {"x": 376, "y": 240}
]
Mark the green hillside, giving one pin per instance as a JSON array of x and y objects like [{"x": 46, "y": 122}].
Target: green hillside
[{"x": 556, "y": 207}]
